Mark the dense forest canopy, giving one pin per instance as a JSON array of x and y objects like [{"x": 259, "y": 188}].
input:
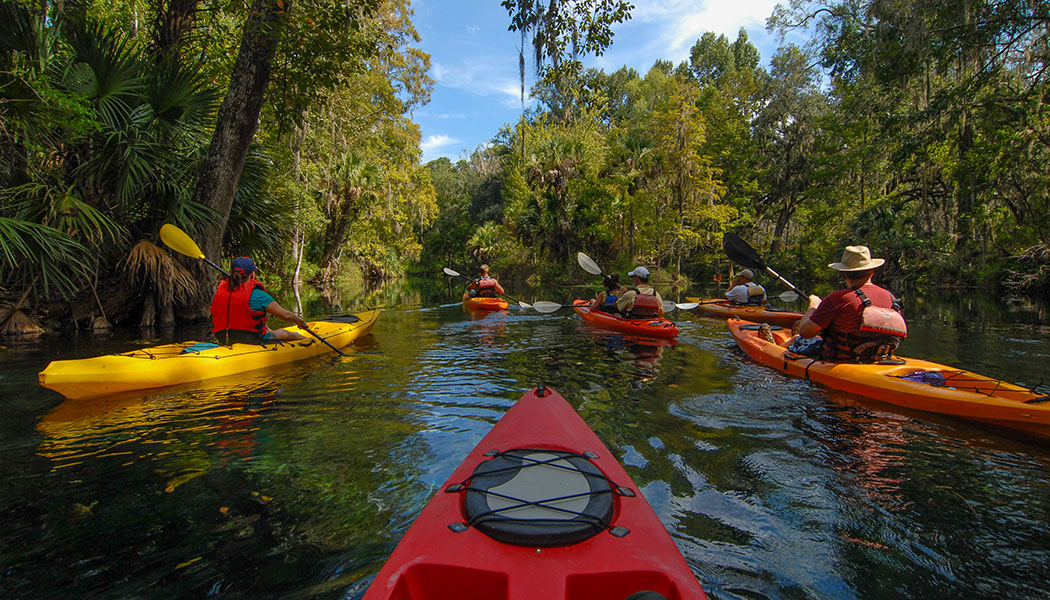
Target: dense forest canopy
[{"x": 282, "y": 129}]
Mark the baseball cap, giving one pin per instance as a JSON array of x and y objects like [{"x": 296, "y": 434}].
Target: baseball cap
[
  {"x": 243, "y": 264},
  {"x": 640, "y": 272}
]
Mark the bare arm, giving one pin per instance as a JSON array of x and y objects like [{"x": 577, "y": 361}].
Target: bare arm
[
  {"x": 282, "y": 313},
  {"x": 808, "y": 328}
]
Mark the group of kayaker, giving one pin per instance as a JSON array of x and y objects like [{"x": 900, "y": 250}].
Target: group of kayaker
[{"x": 862, "y": 322}]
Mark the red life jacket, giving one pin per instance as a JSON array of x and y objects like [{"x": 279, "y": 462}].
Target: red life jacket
[
  {"x": 645, "y": 306},
  {"x": 487, "y": 287},
  {"x": 231, "y": 312}
]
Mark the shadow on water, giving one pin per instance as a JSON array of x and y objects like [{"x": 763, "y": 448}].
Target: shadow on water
[{"x": 298, "y": 482}]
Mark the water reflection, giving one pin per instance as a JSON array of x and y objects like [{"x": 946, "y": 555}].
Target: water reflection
[
  {"x": 219, "y": 416},
  {"x": 298, "y": 484}
]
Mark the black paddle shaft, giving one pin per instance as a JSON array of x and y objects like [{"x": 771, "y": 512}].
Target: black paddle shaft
[{"x": 742, "y": 253}]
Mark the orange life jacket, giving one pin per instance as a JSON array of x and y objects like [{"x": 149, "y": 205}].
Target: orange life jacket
[{"x": 487, "y": 287}]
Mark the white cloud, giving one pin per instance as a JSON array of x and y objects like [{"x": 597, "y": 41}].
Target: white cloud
[
  {"x": 437, "y": 141},
  {"x": 483, "y": 79},
  {"x": 684, "y": 21}
]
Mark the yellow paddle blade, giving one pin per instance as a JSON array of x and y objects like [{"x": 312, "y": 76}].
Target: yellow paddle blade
[{"x": 177, "y": 240}]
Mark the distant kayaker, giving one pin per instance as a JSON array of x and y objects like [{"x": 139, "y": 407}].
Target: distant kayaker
[
  {"x": 745, "y": 291},
  {"x": 642, "y": 301},
  {"x": 606, "y": 299},
  {"x": 484, "y": 286},
  {"x": 862, "y": 323},
  {"x": 241, "y": 305}
]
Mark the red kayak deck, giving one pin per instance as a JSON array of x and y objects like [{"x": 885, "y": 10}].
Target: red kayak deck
[
  {"x": 657, "y": 328},
  {"x": 447, "y": 555}
]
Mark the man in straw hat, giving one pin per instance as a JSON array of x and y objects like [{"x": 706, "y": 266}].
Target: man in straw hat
[{"x": 841, "y": 318}]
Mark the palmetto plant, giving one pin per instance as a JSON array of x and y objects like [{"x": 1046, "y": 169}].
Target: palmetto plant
[{"x": 99, "y": 145}]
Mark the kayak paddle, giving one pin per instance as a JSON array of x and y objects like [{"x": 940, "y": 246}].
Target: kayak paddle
[
  {"x": 177, "y": 240},
  {"x": 742, "y": 253},
  {"x": 669, "y": 306},
  {"x": 452, "y": 273}
]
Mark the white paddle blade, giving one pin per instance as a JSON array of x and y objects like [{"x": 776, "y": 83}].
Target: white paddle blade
[
  {"x": 524, "y": 304},
  {"x": 669, "y": 306},
  {"x": 588, "y": 265},
  {"x": 451, "y": 273},
  {"x": 788, "y": 296},
  {"x": 687, "y": 305},
  {"x": 546, "y": 306}
]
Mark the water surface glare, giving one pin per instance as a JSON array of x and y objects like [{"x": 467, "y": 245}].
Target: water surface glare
[{"x": 298, "y": 482}]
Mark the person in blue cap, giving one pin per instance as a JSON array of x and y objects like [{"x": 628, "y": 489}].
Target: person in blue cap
[{"x": 241, "y": 305}]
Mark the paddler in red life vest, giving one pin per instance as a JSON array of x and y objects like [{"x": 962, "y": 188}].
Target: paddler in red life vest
[
  {"x": 484, "y": 286},
  {"x": 642, "y": 301},
  {"x": 745, "y": 291},
  {"x": 240, "y": 307},
  {"x": 862, "y": 323}
]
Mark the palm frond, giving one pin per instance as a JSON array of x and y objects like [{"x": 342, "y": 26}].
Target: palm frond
[
  {"x": 150, "y": 264},
  {"x": 35, "y": 255}
]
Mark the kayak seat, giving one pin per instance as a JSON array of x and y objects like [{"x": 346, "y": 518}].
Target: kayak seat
[
  {"x": 539, "y": 498},
  {"x": 198, "y": 348}
]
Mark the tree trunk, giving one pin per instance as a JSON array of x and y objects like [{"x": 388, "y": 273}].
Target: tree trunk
[
  {"x": 235, "y": 126},
  {"x": 174, "y": 22}
]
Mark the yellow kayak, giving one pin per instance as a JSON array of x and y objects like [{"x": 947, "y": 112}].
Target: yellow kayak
[{"x": 186, "y": 362}]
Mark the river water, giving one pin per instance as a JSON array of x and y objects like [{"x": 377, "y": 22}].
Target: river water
[{"x": 298, "y": 483}]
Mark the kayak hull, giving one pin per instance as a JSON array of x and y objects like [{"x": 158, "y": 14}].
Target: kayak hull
[
  {"x": 435, "y": 562},
  {"x": 714, "y": 307},
  {"x": 486, "y": 303},
  {"x": 659, "y": 327},
  {"x": 963, "y": 394},
  {"x": 172, "y": 364}
]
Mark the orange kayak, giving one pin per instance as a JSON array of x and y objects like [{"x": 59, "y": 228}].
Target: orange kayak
[
  {"x": 916, "y": 384},
  {"x": 486, "y": 303},
  {"x": 714, "y": 307},
  {"x": 658, "y": 327}
]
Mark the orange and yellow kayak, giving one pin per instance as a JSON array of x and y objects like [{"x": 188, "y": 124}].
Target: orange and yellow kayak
[
  {"x": 187, "y": 362},
  {"x": 916, "y": 384},
  {"x": 721, "y": 308}
]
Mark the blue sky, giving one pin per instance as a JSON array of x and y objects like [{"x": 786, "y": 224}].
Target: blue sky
[{"x": 474, "y": 59}]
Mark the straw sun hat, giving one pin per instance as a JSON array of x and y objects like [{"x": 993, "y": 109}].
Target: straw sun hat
[{"x": 857, "y": 258}]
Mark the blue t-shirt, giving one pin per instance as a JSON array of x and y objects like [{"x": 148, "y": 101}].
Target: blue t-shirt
[{"x": 259, "y": 300}]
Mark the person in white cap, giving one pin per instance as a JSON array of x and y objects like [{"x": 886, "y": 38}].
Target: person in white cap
[
  {"x": 841, "y": 318},
  {"x": 642, "y": 301},
  {"x": 746, "y": 291}
]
